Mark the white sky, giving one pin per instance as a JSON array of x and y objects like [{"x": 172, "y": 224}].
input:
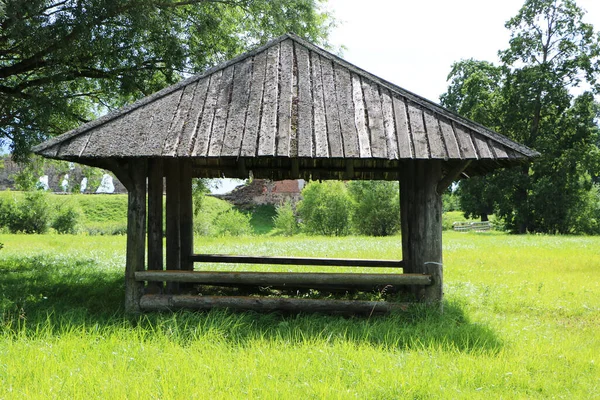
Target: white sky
[{"x": 414, "y": 43}]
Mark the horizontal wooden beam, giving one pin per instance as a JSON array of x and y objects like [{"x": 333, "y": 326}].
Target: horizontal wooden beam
[
  {"x": 269, "y": 304},
  {"x": 283, "y": 278},
  {"x": 340, "y": 262}
]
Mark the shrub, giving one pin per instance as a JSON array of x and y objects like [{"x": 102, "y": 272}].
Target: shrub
[
  {"x": 65, "y": 220},
  {"x": 325, "y": 208},
  {"x": 28, "y": 215},
  {"x": 376, "y": 207},
  {"x": 232, "y": 223},
  {"x": 285, "y": 220}
]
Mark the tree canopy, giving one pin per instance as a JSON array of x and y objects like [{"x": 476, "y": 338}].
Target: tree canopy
[
  {"x": 529, "y": 97},
  {"x": 63, "y": 62}
]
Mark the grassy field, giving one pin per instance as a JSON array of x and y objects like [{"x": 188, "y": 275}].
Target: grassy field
[{"x": 521, "y": 320}]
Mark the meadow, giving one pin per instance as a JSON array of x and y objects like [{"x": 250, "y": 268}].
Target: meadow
[{"x": 521, "y": 320}]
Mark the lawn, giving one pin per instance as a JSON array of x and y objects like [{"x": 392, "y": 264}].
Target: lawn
[{"x": 521, "y": 320}]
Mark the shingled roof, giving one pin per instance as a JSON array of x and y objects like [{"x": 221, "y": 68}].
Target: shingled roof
[{"x": 288, "y": 109}]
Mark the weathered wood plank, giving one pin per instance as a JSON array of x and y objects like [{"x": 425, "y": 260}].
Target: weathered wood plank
[
  {"x": 284, "y": 114},
  {"x": 483, "y": 150},
  {"x": 419, "y": 134},
  {"x": 75, "y": 146},
  {"x": 465, "y": 143},
  {"x": 342, "y": 262},
  {"x": 499, "y": 150},
  {"x": 449, "y": 138},
  {"x": 402, "y": 128},
  {"x": 321, "y": 144},
  {"x": 375, "y": 113},
  {"x": 437, "y": 147},
  {"x": 202, "y": 136},
  {"x": 136, "y": 232},
  {"x": 284, "y": 278},
  {"x": 234, "y": 131},
  {"x": 305, "y": 102},
  {"x": 364, "y": 141},
  {"x": 221, "y": 112},
  {"x": 270, "y": 304},
  {"x": 389, "y": 125},
  {"x": 250, "y": 140},
  {"x": 334, "y": 134},
  {"x": 343, "y": 88},
  {"x": 268, "y": 123},
  {"x": 190, "y": 128},
  {"x": 180, "y": 118}
]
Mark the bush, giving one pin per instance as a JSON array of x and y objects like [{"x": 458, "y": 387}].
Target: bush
[
  {"x": 232, "y": 223},
  {"x": 65, "y": 220},
  {"x": 376, "y": 207},
  {"x": 325, "y": 208},
  {"x": 285, "y": 220},
  {"x": 31, "y": 214}
]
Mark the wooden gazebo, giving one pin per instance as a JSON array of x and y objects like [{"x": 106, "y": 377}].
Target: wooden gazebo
[{"x": 286, "y": 110}]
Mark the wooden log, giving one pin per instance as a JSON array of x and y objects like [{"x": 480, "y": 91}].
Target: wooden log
[
  {"x": 341, "y": 262},
  {"x": 451, "y": 176},
  {"x": 421, "y": 220},
  {"x": 186, "y": 215},
  {"x": 155, "y": 220},
  {"x": 173, "y": 220},
  {"x": 136, "y": 233},
  {"x": 269, "y": 304},
  {"x": 284, "y": 278}
]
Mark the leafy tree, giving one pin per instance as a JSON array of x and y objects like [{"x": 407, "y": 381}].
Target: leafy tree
[
  {"x": 376, "y": 207},
  {"x": 325, "y": 208},
  {"x": 285, "y": 220},
  {"x": 551, "y": 51},
  {"x": 64, "y": 61}
]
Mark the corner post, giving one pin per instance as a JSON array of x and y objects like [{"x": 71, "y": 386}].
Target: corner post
[
  {"x": 421, "y": 219},
  {"x": 136, "y": 233}
]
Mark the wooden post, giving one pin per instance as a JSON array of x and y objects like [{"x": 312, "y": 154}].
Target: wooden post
[
  {"x": 421, "y": 218},
  {"x": 136, "y": 233},
  {"x": 186, "y": 215},
  {"x": 173, "y": 220},
  {"x": 155, "y": 221}
]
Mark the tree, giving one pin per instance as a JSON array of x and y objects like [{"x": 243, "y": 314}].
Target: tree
[
  {"x": 551, "y": 51},
  {"x": 325, "y": 208},
  {"x": 62, "y": 62},
  {"x": 376, "y": 207}
]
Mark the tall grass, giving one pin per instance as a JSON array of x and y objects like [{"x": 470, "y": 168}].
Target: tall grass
[{"x": 521, "y": 320}]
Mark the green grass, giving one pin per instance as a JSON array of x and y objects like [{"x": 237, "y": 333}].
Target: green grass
[{"x": 521, "y": 320}]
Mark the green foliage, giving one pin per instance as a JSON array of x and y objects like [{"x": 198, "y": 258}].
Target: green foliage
[
  {"x": 29, "y": 214},
  {"x": 233, "y": 223},
  {"x": 262, "y": 218},
  {"x": 65, "y": 220},
  {"x": 285, "y": 219},
  {"x": 529, "y": 99},
  {"x": 376, "y": 209},
  {"x": 325, "y": 208},
  {"x": 63, "y": 62},
  {"x": 450, "y": 201}
]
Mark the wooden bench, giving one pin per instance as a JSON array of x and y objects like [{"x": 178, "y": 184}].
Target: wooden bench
[{"x": 282, "y": 280}]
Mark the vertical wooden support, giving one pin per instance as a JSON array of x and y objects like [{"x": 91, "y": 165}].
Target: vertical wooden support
[
  {"x": 136, "y": 232},
  {"x": 186, "y": 215},
  {"x": 421, "y": 218},
  {"x": 155, "y": 221},
  {"x": 173, "y": 220}
]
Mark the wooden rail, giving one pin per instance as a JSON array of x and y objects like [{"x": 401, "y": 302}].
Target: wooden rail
[
  {"x": 340, "y": 262},
  {"x": 282, "y": 279},
  {"x": 157, "y": 302}
]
